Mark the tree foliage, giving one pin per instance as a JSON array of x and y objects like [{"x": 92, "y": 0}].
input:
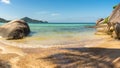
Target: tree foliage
[
  {"x": 115, "y": 6},
  {"x": 106, "y": 20}
]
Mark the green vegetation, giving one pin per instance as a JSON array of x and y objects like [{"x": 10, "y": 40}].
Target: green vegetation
[
  {"x": 115, "y": 6},
  {"x": 106, "y": 20}
]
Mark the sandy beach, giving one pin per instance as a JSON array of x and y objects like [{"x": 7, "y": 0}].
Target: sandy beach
[
  {"x": 102, "y": 55},
  {"x": 59, "y": 34}
]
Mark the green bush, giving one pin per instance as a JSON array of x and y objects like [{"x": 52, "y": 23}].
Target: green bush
[{"x": 106, "y": 20}]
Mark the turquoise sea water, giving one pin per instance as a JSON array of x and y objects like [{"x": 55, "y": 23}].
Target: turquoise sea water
[{"x": 51, "y": 34}]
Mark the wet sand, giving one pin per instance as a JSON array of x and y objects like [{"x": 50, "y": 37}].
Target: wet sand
[{"x": 97, "y": 53}]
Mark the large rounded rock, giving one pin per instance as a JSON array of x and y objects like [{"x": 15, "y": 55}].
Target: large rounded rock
[{"x": 15, "y": 29}]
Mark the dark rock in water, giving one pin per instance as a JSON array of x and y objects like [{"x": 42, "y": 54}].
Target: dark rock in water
[{"x": 15, "y": 29}]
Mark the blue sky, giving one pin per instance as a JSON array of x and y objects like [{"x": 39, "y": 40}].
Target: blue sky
[{"x": 57, "y": 10}]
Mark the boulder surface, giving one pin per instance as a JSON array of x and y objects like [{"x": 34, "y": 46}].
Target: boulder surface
[
  {"x": 15, "y": 29},
  {"x": 114, "y": 22}
]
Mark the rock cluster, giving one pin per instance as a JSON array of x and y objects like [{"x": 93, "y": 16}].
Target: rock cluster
[{"x": 112, "y": 27}]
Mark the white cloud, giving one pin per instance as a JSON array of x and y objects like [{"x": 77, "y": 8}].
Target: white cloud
[
  {"x": 55, "y": 14},
  {"x": 5, "y": 1}
]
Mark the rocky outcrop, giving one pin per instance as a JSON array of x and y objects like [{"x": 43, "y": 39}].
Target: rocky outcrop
[
  {"x": 99, "y": 21},
  {"x": 15, "y": 29},
  {"x": 29, "y": 20},
  {"x": 115, "y": 16},
  {"x": 116, "y": 32},
  {"x": 113, "y": 23},
  {"x": 101, "y": 28}
]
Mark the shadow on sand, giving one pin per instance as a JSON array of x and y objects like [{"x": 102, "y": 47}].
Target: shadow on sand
[
  {"x": 86, "y": 58},
  {"x": 4, "y": 64}
]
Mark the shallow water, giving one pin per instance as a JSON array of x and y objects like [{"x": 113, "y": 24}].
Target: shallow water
[{"x": 52, "y": 34}]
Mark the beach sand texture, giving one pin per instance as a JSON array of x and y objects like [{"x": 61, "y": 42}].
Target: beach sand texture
[{"x": 102, "y": 55}]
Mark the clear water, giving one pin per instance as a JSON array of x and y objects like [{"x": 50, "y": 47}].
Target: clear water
[{"x": 56, "y": 34}]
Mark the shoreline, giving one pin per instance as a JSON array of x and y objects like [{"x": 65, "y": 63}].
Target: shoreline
[{"x": 83, "y": 43}]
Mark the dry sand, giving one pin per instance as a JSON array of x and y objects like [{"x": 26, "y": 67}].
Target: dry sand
[{"x": 104, "y": 54}]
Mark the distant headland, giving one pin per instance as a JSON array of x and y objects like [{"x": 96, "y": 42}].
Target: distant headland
[{"x": 26, "y": 19}]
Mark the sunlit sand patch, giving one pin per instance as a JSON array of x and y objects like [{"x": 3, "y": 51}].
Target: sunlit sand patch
[
  {"x": 10, "y": 49},
  {"x": 1, "y": 37},
  {"x": 8, "y": 56},
  {"x": 110, "y": 44},
  {"x": 14, "y": 62}
]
